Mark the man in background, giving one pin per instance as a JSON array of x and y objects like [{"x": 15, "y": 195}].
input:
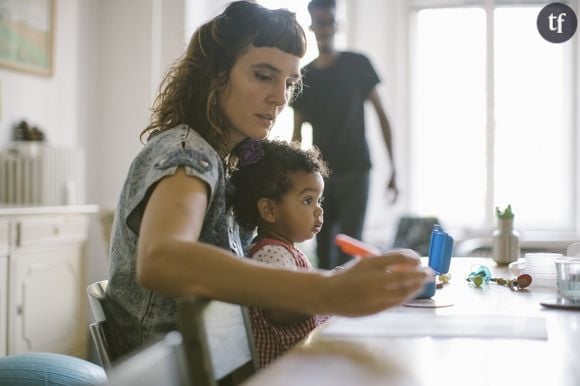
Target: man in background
[{"x": 336, "y": 86}]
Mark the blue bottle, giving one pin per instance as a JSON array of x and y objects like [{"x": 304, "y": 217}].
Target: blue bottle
[{"x": 440, "y": 250}]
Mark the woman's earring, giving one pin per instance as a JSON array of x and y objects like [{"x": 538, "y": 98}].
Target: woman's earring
[{"x": 212, "y": 99}]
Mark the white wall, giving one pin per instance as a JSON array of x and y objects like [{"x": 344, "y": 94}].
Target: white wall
[
  {"x": 374, "y": 30},
  {"x": 49, "y": 102},
  {"x": 109, "y": 57},
  {"x": 135, "y": 41}
]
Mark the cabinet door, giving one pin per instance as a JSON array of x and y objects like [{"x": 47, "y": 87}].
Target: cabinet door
[
  {"x": 48, "y": 301},
  {"x": 4, "y": 248},
  {"x": 3, "y": 305}
]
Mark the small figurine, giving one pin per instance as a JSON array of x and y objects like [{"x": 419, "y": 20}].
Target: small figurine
[{"x": 480, "y": 275}]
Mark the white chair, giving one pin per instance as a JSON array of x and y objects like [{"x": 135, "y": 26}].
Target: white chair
[
  {"x": 107, "y": 340},
  {"x": 217, "y": 338},
  {"x": 218, "y": 341},
  {"x": 96, "y": 293},
  {"x": 162, "y": 363}
]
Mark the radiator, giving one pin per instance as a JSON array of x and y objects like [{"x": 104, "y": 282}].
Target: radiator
[{"x": 39, "y": 174}]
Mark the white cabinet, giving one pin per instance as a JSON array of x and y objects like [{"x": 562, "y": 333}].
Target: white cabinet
[
  {"x": 4, "y": 246},
  {"x": 45, "y": 271},
  {"x": 3, "y": 306}
]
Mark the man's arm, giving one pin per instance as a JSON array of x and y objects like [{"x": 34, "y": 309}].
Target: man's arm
[
  {"x": 387, "y": 136},
  {"x": 298, "y": 120}
]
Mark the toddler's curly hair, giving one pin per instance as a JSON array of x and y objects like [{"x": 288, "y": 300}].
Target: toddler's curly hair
[{"x": 270, "y": 177}]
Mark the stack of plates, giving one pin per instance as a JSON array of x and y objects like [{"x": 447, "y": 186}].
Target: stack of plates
[{"x": 542, "y": 267}]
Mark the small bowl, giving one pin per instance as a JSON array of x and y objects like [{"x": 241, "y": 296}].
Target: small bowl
[
  {"x": 517, "y": 267},
  {"x": 573, "y": 249},
  {"x": 568, "y": 269}
]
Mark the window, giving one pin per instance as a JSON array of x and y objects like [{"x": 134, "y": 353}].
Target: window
[{"x": 491, "y": 117}]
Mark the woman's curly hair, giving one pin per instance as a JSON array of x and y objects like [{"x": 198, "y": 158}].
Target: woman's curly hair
[
  {"x": 188, "y": 92},
  {"x": 270, "y": 177}
]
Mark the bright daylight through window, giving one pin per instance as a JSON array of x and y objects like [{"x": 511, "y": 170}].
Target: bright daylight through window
[{"x": 491, "y": 114}]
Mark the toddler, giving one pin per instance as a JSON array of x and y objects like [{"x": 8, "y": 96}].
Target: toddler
[{"x": 277, "y": 190}]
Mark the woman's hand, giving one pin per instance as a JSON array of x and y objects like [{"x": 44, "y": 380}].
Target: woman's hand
[{"x": 372, "y": 284}]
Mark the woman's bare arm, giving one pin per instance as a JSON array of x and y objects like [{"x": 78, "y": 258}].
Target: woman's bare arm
[{"x": 171, "y": 261}]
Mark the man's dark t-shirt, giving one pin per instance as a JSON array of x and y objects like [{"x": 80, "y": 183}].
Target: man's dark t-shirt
[{"x": 332, "y": 101}]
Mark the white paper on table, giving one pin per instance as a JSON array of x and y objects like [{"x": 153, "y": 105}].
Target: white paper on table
[{"x": 397, "y": 325}]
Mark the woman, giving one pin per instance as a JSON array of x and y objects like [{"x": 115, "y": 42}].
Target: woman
[{"x": 173, "y": 235}]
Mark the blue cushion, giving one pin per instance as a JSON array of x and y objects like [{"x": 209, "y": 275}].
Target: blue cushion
[{"x": 48, "y": 369}]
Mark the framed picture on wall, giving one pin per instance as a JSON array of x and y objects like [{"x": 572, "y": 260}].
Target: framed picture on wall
[{"x": 26, "y": 35}]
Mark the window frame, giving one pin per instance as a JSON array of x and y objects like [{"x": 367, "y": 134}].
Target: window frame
[{"x": 413, "y": 7}]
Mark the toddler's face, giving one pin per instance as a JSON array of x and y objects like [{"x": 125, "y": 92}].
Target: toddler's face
[{"x": 299, "y": 213}]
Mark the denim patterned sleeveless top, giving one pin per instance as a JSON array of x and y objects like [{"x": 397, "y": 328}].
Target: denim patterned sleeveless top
[{"x": 139, "y": 314}]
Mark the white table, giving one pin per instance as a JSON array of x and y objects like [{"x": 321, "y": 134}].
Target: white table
[{"x": 367, "y": 359}]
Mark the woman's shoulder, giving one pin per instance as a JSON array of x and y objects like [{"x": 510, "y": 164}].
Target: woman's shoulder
[
  {"x": 162, "y": 156},
  {"x": 180, "y": 137},
  {"x": 180, "y": 145},
  {"x": 167, "y": 151}
]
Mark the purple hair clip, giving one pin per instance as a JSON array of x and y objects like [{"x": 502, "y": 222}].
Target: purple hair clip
[{"x": 249, "y": 152}]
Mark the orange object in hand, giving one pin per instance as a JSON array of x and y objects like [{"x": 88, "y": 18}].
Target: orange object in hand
[
  {"x": 357, "y": 248},
  {"x": 354, "y": 247}
]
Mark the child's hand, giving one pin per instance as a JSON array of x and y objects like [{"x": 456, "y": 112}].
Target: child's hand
[{"x": 376, "y": 283}]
